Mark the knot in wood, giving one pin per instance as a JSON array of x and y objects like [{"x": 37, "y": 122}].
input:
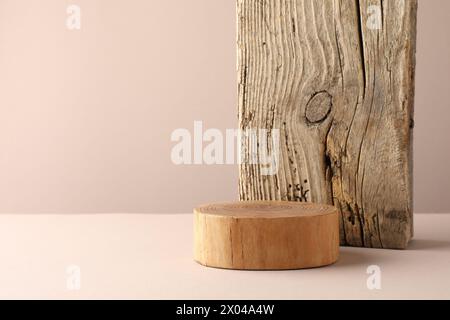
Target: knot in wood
[{"x": 318, "y": 107}]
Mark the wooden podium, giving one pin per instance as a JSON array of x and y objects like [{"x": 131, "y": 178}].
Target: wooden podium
[{"x": 266, "y": 235}]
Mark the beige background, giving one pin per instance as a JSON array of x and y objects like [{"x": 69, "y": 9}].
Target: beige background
[{"x": 86, "y": 116}]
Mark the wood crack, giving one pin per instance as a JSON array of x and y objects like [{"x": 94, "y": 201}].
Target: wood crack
[{"x": 359, "y": 19}]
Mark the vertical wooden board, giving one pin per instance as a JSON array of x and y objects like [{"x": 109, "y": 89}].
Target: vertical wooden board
[{"x": 338, "y": 84}]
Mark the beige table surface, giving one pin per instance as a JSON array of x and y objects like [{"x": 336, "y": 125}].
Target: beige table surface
[{"x": 137, "y": 256}]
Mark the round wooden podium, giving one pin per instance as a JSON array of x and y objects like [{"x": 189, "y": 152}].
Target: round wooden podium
[{"x": 266, "y": 235}]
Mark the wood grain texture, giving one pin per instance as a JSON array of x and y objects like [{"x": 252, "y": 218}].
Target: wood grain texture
[
  {"x": 266, "y": 235},
  {"x": 341, "y": 95}
]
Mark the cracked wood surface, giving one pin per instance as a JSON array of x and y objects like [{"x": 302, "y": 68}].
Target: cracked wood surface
[{"x": 341, "y": 93}]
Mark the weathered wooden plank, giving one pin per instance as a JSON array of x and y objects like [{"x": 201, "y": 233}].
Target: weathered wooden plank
[{"x": 339, "y": 85}]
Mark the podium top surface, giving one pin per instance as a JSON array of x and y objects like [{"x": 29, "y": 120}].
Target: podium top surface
[{"x": 266, "y": 209}]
